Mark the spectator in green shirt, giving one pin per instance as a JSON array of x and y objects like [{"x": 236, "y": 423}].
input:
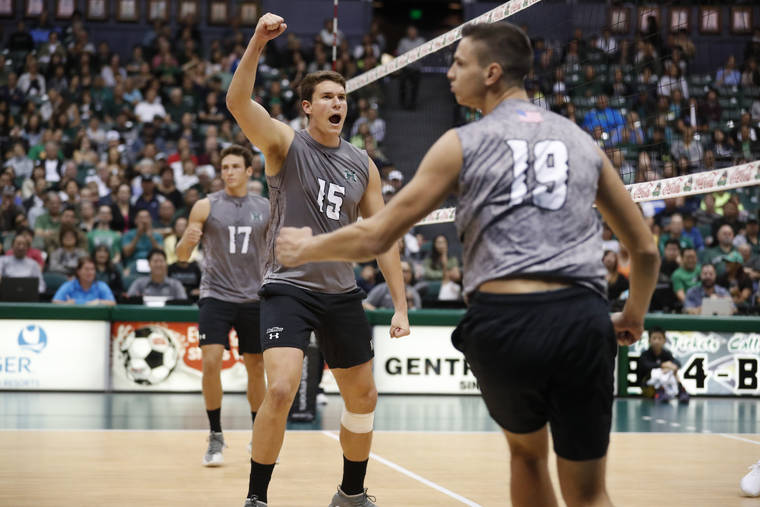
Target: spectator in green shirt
[
  {"x": 686, "y": 276},
  {"x": 675, "y": 231},
  {"x": 716, "y": 254},
  {"x": 138, "y": 242},
  {"x": 102, "y": 234},
  {"x": 46, "y": 225}
]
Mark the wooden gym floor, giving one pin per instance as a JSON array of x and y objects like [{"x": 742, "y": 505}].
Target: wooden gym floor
[{"x": 65, "y": 449}]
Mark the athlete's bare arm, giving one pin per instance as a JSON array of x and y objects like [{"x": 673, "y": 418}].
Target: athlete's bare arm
[
  {"x": 623, "y": 216},
  {"x": 389, "y": 261},
  {"x": 192, "y": 236},
  {"x": 435, "y": 179},
  {"x": 269, "y": 135}
]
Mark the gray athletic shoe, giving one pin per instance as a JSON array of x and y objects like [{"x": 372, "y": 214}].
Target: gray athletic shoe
[
  {"x": 340, "y": 499},
  {"x": 213, "y": 456},
  {"x": 251, "y": 501}
]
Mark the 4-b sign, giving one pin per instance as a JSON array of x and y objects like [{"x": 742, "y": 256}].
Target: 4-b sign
[{"x": 711, "y": 363}]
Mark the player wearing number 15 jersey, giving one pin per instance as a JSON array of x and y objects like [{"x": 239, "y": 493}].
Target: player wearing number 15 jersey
[
  {"x": 316, "y": 180},
  {"x": 230, "y": 225}
]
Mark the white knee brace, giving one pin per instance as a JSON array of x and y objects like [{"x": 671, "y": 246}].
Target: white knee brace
[{"x": 357, "y": 423}]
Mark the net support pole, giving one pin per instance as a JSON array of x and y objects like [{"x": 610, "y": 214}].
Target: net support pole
[{"x": 335, "y": 35}]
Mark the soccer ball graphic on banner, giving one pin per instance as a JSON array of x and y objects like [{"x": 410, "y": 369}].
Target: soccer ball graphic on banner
[{"x": 149, "y": 354}]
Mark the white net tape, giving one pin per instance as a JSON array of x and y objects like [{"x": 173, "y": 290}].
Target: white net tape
[
  {"x": 501, "y": 12},
  {"x": 738, "y": 176}
]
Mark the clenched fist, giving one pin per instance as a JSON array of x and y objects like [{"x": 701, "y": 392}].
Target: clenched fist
[
  {"x": 193, "y": 233},
  {"x": 269, "y": 26},
  {"x": 290, "y": 243}
]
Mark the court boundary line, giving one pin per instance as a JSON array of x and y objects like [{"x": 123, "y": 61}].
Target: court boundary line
[
  {"x": 733, "y": 437},
  {"x": 412, "y": 475}
]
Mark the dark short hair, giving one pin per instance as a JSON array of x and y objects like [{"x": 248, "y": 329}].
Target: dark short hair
[
  {"x": 310, "y": 82},
  {"x": 504, "y": 44},
  {"x": 22, "y": 230},
  {"x": 156, "y": 251},
  {"x": 673, "y": 242},
  {"x": 656, "y": 329},
  {"x": 240, "y": 151}
]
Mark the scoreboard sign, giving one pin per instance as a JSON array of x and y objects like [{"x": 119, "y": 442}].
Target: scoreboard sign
[{"x": 711, "y": 363}]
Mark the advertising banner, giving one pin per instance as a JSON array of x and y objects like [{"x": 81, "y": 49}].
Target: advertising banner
[
  {"x": 65, "y": 355},
  {"x": 166, "y": 356},
  {"x": 423, "y": 363},
  {"x": 711, "y": 363}
]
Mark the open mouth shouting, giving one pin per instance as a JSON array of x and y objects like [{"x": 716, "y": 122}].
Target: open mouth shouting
[{"x": 335, "y": 119}]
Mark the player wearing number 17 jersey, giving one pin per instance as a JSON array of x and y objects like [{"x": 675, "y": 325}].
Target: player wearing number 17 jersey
[
  {"x": 231, "y": 226},
  {"x": 316, "y": 180}
]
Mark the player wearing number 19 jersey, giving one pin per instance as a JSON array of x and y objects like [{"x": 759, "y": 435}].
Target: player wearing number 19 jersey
[
  {"x": 316, "y": 181},
  {"x": 230, "y": 225},
  {"x": 537, "y": 333}
]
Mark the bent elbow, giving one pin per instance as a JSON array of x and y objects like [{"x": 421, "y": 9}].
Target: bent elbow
[{"x": 232, "y": 104}]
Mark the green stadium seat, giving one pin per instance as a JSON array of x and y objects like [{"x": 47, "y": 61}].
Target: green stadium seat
[
  {"x": 731, "y": 114},
  {"x": 53, "y": 281},
  {"x": 728, "y": 102},
  {"x": 128, "y": 279},
  {"x": 697, "y": 91},
  {"x": 428, "y": 291},
  {"x": 752, "y": 92},
  {"x": 617, "y": 102},
  {"x": 727, "y": 91}
]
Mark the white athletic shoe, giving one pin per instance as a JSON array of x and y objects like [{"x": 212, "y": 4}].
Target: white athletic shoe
[
  {"x": 213, "y": 456},
  {"x": 750, "y": 483},
  {"x": 340, "y": 499}
]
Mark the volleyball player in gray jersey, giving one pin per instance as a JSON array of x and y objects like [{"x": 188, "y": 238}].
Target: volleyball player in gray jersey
[
  {"x": 319, "y": 181},
  {"x": 231, "y": 225},
  {"x": 537, "y": 333}
]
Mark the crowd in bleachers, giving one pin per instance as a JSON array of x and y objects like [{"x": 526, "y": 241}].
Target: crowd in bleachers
[
  {"x": 643, "y": 104},
  {"x": 104, "y": 154}
]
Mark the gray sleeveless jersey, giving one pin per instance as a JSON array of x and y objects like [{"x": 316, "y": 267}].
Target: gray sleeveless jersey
[
  {"x": 321, "y": 188},
  {"x": 528, "y": 181},
  {"x": 234, "y": 247}
]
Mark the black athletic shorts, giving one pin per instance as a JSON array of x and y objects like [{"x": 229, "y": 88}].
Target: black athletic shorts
[
  {"x": 217, "y": 317},
  {"x": 545, "y": 357},
  {"x": 289, "y": 314}
]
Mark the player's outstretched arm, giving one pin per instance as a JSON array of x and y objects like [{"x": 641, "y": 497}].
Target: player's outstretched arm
[
  {"x": 435, "y": 179},
  {"x": 192, "y": 236},
  {"x": 269, "y": 135},
  {"x": 623, "y": 216},
  {"x": 389, "y": 261}
]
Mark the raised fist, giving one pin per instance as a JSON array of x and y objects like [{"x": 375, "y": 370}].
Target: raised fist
[{"x": 269, "y": 26}]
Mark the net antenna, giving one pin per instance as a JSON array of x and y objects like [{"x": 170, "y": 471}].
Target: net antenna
[{"x": 335, "y": 35}]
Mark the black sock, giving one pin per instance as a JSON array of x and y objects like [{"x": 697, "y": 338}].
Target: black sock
[
  {"x": 258, "y": 482},
  {"x": 253, "y": 417},
  {"x": 353, "y": 476},
  {"x": 214, "y": 419}
]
